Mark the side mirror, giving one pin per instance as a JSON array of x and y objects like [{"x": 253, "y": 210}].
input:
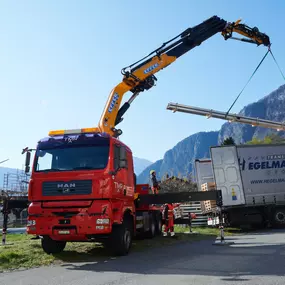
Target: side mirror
[
  {"x": 27, "y": 162},
  {"x": 27, "y": 169}
]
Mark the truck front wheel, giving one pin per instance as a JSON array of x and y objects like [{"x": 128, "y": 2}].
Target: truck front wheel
[
  {"x": 51, "y": 246},
  {"x": 121, "y": 239}
]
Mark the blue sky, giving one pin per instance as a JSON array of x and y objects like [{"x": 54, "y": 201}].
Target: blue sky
[{"x": 59, "y": 61}]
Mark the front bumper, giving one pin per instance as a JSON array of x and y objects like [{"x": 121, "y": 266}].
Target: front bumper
[
  {"x": 76, "y": 228},
  {"x": 71, "y": 224},
  {"x": 65, "y": 228}
]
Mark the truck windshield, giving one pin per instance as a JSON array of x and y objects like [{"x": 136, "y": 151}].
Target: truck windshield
[{"x": 72, "y": 153}]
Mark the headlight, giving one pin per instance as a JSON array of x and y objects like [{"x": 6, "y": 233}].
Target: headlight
[
  {"x": 31, "y": 223},
  {"x": 103, "y": 221}
]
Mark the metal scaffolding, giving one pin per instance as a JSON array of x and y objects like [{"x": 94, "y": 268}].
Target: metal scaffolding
[{"x": 16, "y": 182}]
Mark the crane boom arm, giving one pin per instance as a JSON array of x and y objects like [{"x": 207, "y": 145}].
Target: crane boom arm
[{"x": 140, "y": 75}]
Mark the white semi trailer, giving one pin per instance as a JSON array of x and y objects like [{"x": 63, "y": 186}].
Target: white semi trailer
[{"x": 252, "y": 181}]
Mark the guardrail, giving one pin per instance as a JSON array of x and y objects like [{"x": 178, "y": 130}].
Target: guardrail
[{"x": 14, "y": 222}]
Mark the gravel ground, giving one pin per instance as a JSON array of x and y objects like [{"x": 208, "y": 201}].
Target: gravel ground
[{"x": 256, "y": 258}]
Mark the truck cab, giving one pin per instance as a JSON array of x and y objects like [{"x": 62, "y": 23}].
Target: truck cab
[{"x": 81, "y": 189}]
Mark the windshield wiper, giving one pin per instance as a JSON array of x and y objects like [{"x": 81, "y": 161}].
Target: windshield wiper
[
  {"x": 51, "y": 169},
  {"x": 83, "y": 168}
]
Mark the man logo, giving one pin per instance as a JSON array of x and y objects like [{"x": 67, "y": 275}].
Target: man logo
[{"x": 65, "y": 187}]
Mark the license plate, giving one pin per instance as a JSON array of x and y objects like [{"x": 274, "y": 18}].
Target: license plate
[{"x": 64, "y": 232}]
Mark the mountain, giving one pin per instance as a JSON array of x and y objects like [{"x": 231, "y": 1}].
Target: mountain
[
  {"x": 271, "y": 107},
  {"x": 180, "y": 159},
  {"x": 140, "y": 164}
]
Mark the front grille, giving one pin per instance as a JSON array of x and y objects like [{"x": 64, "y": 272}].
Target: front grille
[
  {"x": 67, "y": 188},
  {"x": 65, "y": 214},
  {"x": 64, "y": 222}
]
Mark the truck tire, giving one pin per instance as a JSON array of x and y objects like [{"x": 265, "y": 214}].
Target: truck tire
[
  {"x": 121, "y": 238},
  {"x": 159, "y": 225},
  {"x": 51, "y": 246},
  {"x": 279, "y": 217},
  {"x": 152, "y": 227}
]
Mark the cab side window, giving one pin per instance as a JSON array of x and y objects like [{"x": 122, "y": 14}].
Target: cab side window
[
  {"x": 116, "y": 156},
  {"x": 120, "y": 152}
]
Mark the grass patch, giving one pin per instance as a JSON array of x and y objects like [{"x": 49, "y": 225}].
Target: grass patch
[
  {"x": 23, "y": 252},
  {"x": 208, "y": 231}
]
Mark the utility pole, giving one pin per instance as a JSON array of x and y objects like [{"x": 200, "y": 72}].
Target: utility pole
[{"x": 5, "y": 213}]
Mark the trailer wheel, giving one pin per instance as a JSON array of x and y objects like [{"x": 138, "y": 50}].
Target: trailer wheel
[
  {"x": 51, "y": 246},
  {"x": 279, "y": 217},
  {"x": 121, "y": 239}
]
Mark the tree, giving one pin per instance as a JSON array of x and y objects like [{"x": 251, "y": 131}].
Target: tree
[
  {"x": 255, "y": 141},
  {"x": 176, "y": 184},
  {"x": 275, "y": 139},
  {"x": 269, "y": 139},
  {"x": 229, "y": 141}
]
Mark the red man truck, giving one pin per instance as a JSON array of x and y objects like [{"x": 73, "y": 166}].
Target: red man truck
[
  {"x": 83, "y": 188},
  {"x": 82, "y": 185}
]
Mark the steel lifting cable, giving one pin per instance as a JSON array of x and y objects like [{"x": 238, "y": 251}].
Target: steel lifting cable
[
  {"x": 247, "y": 82},
  {"x": 269, "y": 50},
  {"x": 277, "y": 65}
]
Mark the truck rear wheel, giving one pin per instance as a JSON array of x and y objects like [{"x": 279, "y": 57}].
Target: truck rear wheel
[
  {"x": 152, "y": 227},
  {"x": 51, "y": 246},
  {"x": 121, "y": 238},
  {"x": 159, "y": 225}
]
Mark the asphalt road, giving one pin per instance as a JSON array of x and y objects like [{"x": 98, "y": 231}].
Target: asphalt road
[{"x": 254, "y": 259}]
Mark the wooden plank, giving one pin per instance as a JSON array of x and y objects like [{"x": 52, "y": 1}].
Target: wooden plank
[{"x": 208, "y": 186}]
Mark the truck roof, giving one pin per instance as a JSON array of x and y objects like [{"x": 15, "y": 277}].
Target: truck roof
[{"x": 74, "y": 134}]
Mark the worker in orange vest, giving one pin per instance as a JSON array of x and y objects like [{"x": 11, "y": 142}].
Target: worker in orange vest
[{"x": 169, "y": 219}]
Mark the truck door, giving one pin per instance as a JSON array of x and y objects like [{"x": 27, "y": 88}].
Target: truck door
[
  {"x": 120, "y": 177},
  {"x": 130, "y": 188},
  {"x": 227, "y": 174}
]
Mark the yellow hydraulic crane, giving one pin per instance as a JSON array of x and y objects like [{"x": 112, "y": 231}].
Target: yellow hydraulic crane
[{"x": 139, "y": 76}]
